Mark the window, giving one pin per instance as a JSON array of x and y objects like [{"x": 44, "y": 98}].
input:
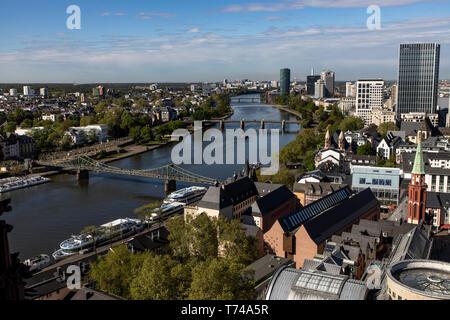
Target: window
[
  {"x": 375, "y": 181},
  {"x": 362, "y": 180},
  {"x": 388, "y": 182}
]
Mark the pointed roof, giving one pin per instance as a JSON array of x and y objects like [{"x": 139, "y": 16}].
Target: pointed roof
[
  {"x": 327, "y": 135},
  {"x": 418, "y": 167}
]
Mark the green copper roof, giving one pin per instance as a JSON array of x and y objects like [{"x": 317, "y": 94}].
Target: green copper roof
[{"x": 419, "y": 167}]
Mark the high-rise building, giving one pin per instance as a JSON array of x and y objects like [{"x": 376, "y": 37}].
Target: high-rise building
[
  {"x": 417, "y": 189},
  {"x": 369, "y": 96},
  {"x": 350, "y": 89},
  {"x": 310, "y": 83},
  {"x": 418, "y": 76},
  {"x": 328, "y": 77},
  {"x": 27, "y": 91},
  {"x": 44, "y": 92},
  {"x": 319, "y": 89},
  {"x": 98, "y": 91},
  {"x": 285, "y": 81},
  {"x": 13, "y": 92}
]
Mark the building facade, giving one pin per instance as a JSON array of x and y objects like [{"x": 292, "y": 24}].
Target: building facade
[
  {"x": 311, "y": 83},
  {"x": 328, "y": 77},
  {"x": 384, "y": 183},
  {"x": 418, "y": 77},
  {"x": 285, "y": 81},
  {"x": 369, "y": 96}
]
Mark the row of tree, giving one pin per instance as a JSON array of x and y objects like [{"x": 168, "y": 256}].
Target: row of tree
[{"x": 206, "y": 259}]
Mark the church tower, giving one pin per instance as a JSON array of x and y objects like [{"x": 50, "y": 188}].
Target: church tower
[
  {"x": 417, "y": 190},
  {"x": 341, "y": 141},
  {"x": 327, "y": 140}
]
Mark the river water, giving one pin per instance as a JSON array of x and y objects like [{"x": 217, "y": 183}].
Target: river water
[{"x": 46, "y": 214}]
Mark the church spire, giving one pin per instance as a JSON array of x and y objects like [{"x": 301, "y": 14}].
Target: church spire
[
  {"x": 327, "y": 139},
  {"x": 418, "y": 167}
]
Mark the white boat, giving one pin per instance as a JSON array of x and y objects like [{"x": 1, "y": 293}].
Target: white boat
[
  {"x": 14, "y": 183},
  {"x": 167, "y": 210},
  {"x": 186, "y": 195},
  {"x": 108, "y": 232},
  {"x": 38, "y": 263}
]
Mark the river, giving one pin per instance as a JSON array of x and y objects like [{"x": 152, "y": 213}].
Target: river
[{"x": 46, "y": 214}]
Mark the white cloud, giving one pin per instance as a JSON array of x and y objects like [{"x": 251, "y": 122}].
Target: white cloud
[
  {"x": 193, "y": 30},
  {"x": 288, "y": 5},
  {"x": 351, "y": 52}
]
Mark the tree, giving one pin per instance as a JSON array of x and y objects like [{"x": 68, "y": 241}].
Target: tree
[
  {"x": 160, "y": 278},
  {"x": 366, "y": 150},
  {"x": 115, "y": 271},
  {"x": 385, "y": 127},
  {"x": 221, "y": 279},
  {"x": 351, "y": 124},
  {"x": 10, "y": 126}
]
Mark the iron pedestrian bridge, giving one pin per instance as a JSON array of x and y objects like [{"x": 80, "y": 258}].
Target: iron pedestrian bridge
[{"x": 171, "y": 172}]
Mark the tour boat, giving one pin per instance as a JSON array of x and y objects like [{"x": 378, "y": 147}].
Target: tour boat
[
  {"x": 186, "y": 195},
  {"x": 14, "y": 183},
  {"x": 167, "y": 210},
  {"x": 108, "y": 232},
  {"x": 38, "y": 263}
]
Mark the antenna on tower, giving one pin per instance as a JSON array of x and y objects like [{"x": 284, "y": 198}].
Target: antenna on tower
[{"x": 312, "y": 71}]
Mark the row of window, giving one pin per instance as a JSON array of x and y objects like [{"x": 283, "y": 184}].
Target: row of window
[{"x": 377, "y": 182}]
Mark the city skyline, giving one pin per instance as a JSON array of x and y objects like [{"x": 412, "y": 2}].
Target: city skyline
[{"x": 203, "y": 41}]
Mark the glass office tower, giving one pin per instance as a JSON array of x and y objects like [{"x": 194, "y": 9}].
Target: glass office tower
[
  {"x": 418, "y": 77},
  {"x": 285, "y": 81}
]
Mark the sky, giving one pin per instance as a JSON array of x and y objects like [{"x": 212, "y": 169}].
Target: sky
[{"x": 211, "y": 40}]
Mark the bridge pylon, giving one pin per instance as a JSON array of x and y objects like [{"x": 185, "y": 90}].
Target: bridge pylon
[
  {"x": 82, "y": 174},
  {"x": 170, "y": 186}
]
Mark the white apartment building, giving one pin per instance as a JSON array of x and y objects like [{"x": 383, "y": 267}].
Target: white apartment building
[
  {"x": 419, "y": 117},
  {"x": 44, "y": 92},
  {"x": 27, "y": 91},
  {"x": 350, "y": 89},
  {"x": 369, "y": 96},
  {"x": 101, "y": 131},
  {"x": 13, "y": 92},
  {"x": 380, "y": 116},
  {"x": 347, "y": 103}
]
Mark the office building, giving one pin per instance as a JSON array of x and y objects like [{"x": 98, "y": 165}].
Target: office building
[
  {"x": 418, "y": 76},
  {"x": 328, "y": 77},
  {"x": 285, "y": 81},
  {"x": 98, "y": 91},
  {"x": 319, "y": 89},
  {"x": 13, "y": 92},
  {"x": 310, "y": 83},
  {"x": 27, "y": 91},
  {"x": 350, "y": 89},
  {"x": 369, "y": 95},
  {"x": 44, "y": 92},
  {"x": 384, "y": 183}
]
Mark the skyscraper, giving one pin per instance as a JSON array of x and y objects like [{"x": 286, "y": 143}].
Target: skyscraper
[
  {"x": 418, "y": 76},
  {"x": 310, "y": 83},
  {"x": 285, "y": 81},
  {"x": 328, "y": 77}
]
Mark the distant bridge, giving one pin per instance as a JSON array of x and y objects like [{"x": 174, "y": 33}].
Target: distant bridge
[
  {"x": 247, "y": 100},
  {"x": 242, "y": 123},
  {"x": 171, "y": 173}
]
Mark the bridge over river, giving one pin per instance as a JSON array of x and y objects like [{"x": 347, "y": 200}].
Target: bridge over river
[{"x": 171, "y": 172}]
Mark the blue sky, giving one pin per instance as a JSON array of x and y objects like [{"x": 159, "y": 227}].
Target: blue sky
[{"x": 205, "y": 40}]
